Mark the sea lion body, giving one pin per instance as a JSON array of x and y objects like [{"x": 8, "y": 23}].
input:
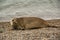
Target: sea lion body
[{"x": 28, "y": 23}]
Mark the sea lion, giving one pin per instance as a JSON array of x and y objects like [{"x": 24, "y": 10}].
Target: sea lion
[{"x": 28, "y": 23}]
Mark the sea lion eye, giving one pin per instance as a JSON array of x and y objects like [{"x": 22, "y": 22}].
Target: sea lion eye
[{"x": 13, "y": 20}]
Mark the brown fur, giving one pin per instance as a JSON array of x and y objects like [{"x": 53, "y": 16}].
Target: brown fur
[{"x": 28, "y": 23}]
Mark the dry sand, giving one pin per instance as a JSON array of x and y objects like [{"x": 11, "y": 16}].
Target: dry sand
[{"x": 33, "y": 34}]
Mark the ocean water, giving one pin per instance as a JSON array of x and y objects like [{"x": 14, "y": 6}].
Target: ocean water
[{"x": 45, "y": 9}]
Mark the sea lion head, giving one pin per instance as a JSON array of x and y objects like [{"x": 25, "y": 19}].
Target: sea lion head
[{"x": 14, "y": 23}]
